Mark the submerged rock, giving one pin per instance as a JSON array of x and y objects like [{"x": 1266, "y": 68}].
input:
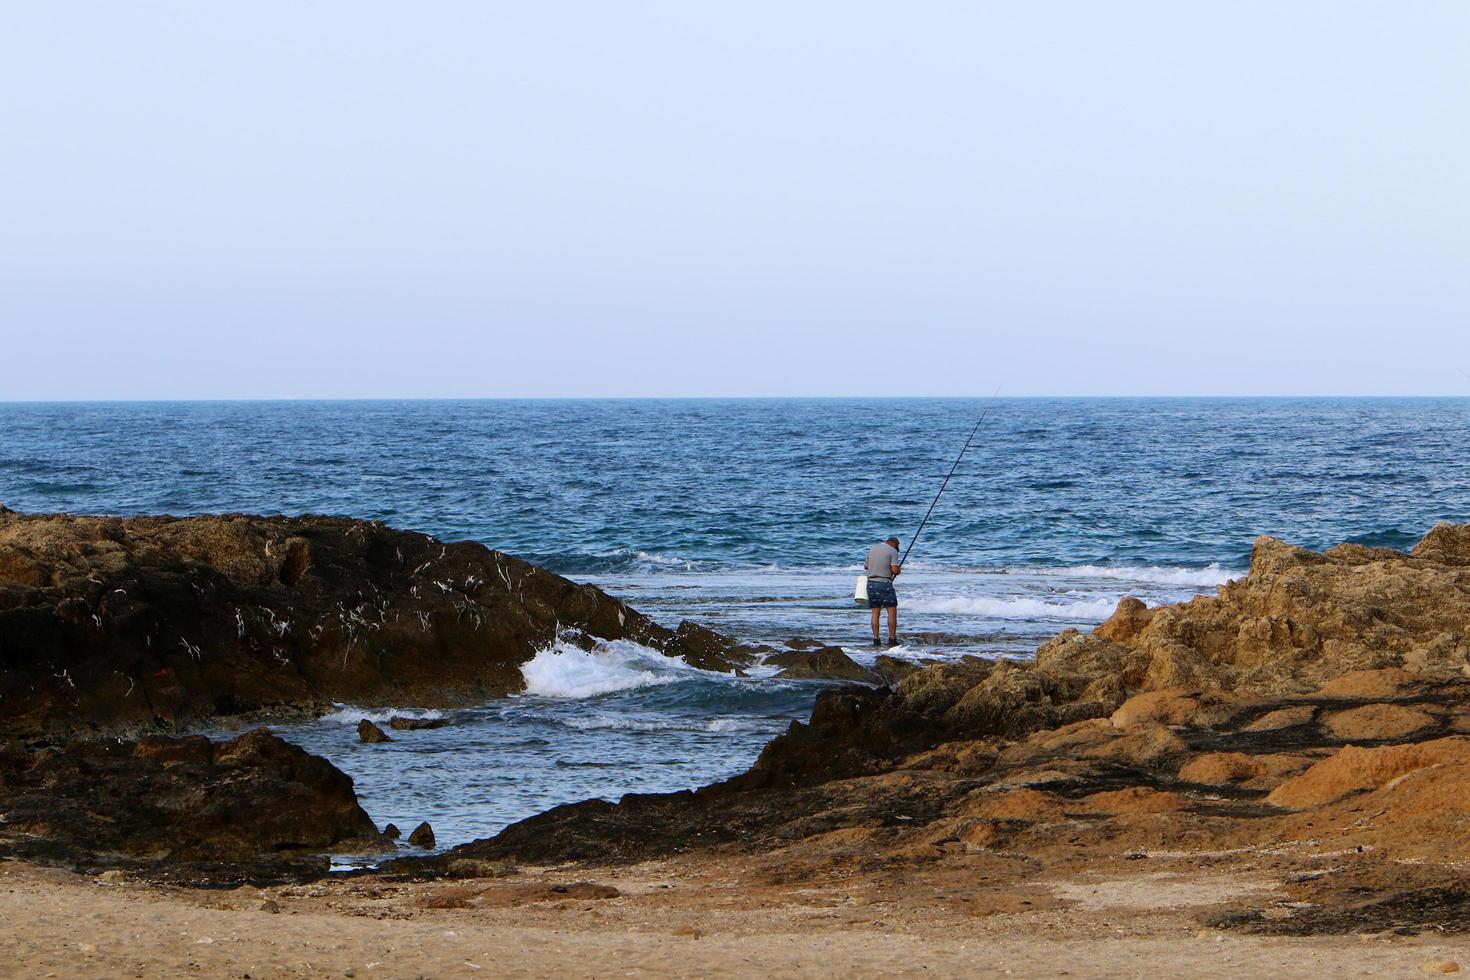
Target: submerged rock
[
  {"x": 402, "y": 724},
  {"x": 111, "y": 624},
  {"x": 371, "y": 733}
]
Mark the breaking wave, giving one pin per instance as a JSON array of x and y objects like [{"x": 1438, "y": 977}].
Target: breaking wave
[
  {"x": 1081, "y": 610},
  {"x": 627, "y": 723},
  {"x": 350, "y": 714},
  {"x": 565, "y": 670},
  {"x": 606, "y": 562},
  {"x": 1210, "y": 575}
]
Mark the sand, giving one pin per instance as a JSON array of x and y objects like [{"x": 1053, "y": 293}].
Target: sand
[{"x": 696, "y": 918}]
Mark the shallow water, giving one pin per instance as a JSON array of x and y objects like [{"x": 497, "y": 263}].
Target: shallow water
[{"x": 753, "y": 516}]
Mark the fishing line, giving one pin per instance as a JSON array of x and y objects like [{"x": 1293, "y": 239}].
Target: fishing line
[{"x": 952, "y": 469}]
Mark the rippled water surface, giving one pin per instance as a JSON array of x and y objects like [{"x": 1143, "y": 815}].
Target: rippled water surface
[{"x": 753, "y": 516}]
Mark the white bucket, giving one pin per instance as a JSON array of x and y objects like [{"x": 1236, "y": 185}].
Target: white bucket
[{"x": 860, "y": 594}]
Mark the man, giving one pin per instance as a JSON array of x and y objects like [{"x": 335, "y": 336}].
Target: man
[{"x": 882, "y": 568}]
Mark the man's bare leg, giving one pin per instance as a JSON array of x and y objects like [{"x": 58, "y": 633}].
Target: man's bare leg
[
  {"x": 892, "y": 624},
  {"x": 875, "y": 625}
]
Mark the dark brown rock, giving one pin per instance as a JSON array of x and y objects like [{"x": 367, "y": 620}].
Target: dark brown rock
[
  {"x": 254, "y": 807},
  {"x": 827, "y": 663},
  {"x": 702, "y": 647},
  {"x": 892, "y": 669},
  {"x": 402, "y": 724},
  {"x": 110, "y": 625},
  {"x": 370, "y": 733},
  {"x": 422, "y": 836},
  {"x": 392, "y": 832}
]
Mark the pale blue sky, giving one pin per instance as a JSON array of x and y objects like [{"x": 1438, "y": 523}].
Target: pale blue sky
[{"x": 354, "y": 199}]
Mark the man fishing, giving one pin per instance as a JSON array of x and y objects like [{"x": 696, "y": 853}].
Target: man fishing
[
  {"x": 884, "y": 564},
  {"x": 882, "y": 567}
]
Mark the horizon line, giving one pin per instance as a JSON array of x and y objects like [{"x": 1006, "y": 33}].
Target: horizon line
[{"x": 298, "y": 399}]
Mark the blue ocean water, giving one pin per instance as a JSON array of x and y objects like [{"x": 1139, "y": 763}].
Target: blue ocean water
[{"x": 753, "y": 515}]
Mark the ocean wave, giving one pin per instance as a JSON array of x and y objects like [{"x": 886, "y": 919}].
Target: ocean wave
[
  {"x": 1079, "y": 610},
  {"x": 628, "y": 723},
  {"x": 1386, "y": 538},
  {"x": 619, "y": 560},
  {"x": 1210, "y": 575},
  {"x": 349, "y": 714},
  {"x": 565, "y": 670}
]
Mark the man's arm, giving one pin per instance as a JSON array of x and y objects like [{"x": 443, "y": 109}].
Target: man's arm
[{"x": 895, "y": 569}]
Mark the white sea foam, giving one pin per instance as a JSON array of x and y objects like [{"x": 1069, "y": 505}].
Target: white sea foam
[
  {"x": 1080, "y": 610},
  {"x": 627, "y": 723},
  {"x": 1196, "y": 577},
  {"x": 564, "y": 670},
  {"x": 663, "y": 561},
  {"x": 349, "y": 714}
]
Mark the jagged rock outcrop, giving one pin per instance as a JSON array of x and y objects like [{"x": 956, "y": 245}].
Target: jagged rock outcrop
[
  {"x": 1319, "y": 707},
  {"x": 823, "y": 663},
  {"x": 110, "y": 624},
  {"x": 371, "y": 734},
  {"x": 254, "y": 808}
]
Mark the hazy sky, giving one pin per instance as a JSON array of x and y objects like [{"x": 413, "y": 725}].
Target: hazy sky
[{"x": 351, "y": 199}]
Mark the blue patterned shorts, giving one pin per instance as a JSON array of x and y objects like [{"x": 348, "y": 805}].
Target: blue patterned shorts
[{"x": 881, "y": 594}]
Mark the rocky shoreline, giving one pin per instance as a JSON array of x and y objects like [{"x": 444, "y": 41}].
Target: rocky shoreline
[
  {"x": 136, "y": 625},
  {"x": 114, "y": 630},
  {"x": 1311, "y": 723},
  {"x": 1313, "y": 718}
]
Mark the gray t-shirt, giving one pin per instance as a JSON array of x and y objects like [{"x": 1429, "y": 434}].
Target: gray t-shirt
[{"x": 881, "y": 558}]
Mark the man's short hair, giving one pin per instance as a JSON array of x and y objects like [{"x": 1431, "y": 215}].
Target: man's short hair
[{"x": 892, "y": 540}]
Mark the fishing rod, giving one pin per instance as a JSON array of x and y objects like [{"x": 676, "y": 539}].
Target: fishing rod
[{"x": 952, "y": 469}]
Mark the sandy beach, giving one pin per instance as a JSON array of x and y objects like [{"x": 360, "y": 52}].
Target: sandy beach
[{"x": 696, "y": 918}]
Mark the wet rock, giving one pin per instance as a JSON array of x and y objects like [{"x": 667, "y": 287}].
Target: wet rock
[
  {"x": 392, "y": 832},
  {"x": 144, "y": 623},
  {"x": 252, "y": 808},
  {"x": 422, "y": 836},
  {"x": 826, "y": 663},
  {"x": 403, "y": 724},
  {"x": 702, "y": 647},
  {"x": 892, "y": 669},
  {"x": 371, "y": 733}
]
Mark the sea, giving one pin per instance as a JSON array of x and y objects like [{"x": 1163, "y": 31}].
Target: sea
[{"x": 752, "y": 516}]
